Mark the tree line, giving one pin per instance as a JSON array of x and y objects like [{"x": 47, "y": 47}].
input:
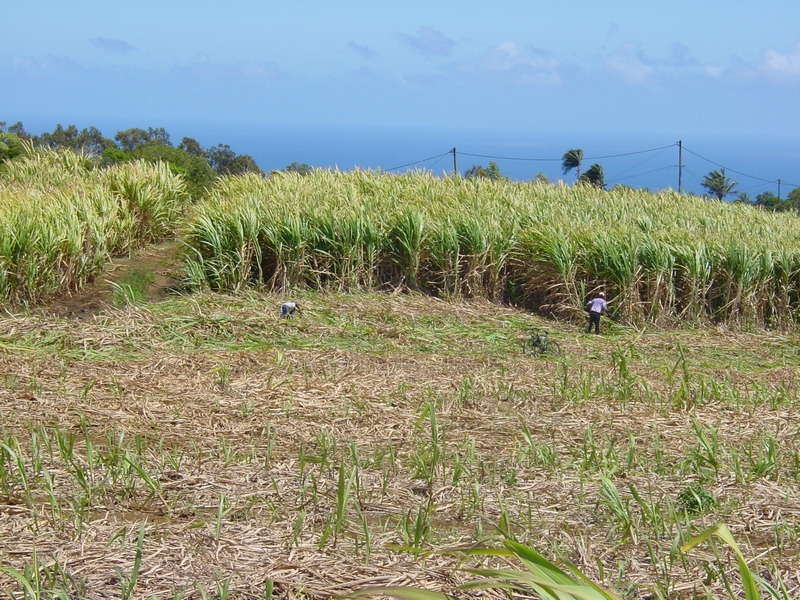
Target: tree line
[
  {"x": 571, "y": 160},
  {"x": 200, "y": 166},
  {"x": 719, "y": 186},
  {"x": 717, "y": 183}
]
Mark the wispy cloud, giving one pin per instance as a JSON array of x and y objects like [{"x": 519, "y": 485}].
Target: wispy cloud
[
  {"x": 630, "y": 64},
  {"x": 202, "y": 66},
  {"x": 506, "y": 61},
  {"x": 681, "y": 56},
  {"x": 782, "y": 64},
  {"x": 49, "y": 65},
  {"x": 362, "y": 51},
  {"x": 773, "y": 67},
  {"x": 31, "y": 65},
  {"x": 112, "y": 46},
  {"x": 428, "y": 42}
]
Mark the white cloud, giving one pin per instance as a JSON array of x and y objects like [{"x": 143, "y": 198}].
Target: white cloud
[
  {"x": 428, "y": 42},
  {"x": 49, "y": 65},
  {"x": 630, "y": 64},
  {"x": 31, "y": 65},
  {"x": 780, "y": 64},
  {"x": 202, "y": 66},
  {"x": 508, "y": 62},
  {"x": 774, "y": 67}
]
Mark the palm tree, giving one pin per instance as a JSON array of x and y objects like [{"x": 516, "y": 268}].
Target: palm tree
[
  {"x": 572, "y": 160},
  {"x": 595, "y": 176},
  {"x": 717, "y": 184}
]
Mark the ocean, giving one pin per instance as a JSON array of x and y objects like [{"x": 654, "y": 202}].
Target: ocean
[
  {"x": 640, "y": 161},
  {"x": 755, "y": 163}
]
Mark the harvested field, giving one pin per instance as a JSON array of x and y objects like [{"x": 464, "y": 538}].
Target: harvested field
[{"x": 326, "y": 453}]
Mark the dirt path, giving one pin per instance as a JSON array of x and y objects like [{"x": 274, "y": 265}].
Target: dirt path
[{"x": 161, "y": 261}]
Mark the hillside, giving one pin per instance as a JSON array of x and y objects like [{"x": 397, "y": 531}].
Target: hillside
[
  {"x": 165, "y": 433},
  {"x": 305, "y": 452}
]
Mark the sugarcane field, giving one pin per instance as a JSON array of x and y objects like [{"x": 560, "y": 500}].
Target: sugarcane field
[{"x": 168, "y": 431}]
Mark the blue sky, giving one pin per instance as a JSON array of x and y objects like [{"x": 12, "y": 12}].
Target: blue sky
[{"x": 671, "y": 70}]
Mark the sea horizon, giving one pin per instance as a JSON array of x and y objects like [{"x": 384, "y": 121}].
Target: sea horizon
[{"x": 639, "y": 160}]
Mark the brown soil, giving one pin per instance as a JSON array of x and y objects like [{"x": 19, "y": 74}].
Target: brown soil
[{"x": 163, "y": 261}]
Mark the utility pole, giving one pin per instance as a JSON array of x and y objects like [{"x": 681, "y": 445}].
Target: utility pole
[
  {"x": 680, "y": 166},
  {"x": 779, "y": 189},
  {"x": 455, "y": 162}
]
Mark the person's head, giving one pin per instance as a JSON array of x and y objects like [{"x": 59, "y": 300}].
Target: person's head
[{"x": 602, "y": 294}]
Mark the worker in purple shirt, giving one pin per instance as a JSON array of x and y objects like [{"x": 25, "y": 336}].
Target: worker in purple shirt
[{"x": 596, "y": 307}]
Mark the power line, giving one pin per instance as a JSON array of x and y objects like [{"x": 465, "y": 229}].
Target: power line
[
  {"x": 509, "y": 157},
  {"x": 419, "y": 161},
  {"x": 732, "y": 170},
  {"x": 641, "y": 163},
  {"x": 752, "y": 187},
  {"x": 660, "y": 150},
  {"x": 643, "y": 173},
  {"x": 692, "y": 173},
  {"x": 438, "y": 160},
  {"x": 630, "y": 153},
  {"x": 560, "y": 159}
]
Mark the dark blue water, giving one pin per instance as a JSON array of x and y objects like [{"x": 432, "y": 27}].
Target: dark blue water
[
  {"x": 645, "y": 161},
  {"x": 641, "y": 161}
]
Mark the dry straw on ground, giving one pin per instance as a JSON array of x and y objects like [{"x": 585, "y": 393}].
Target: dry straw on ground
[{"x": 247, "y": 427}]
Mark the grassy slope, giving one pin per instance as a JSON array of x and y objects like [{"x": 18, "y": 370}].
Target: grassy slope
[{"x": 300, "y": 450}]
